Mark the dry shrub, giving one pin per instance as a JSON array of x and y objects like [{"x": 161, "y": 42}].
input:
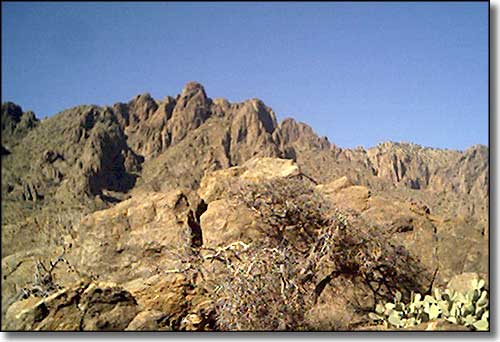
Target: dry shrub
[
  {"x": 260, "y": 291},
  {"x": 272, "y": 283},
  {"x": 290, "y": 212}
]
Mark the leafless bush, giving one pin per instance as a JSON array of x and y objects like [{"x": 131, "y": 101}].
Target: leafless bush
[
  {"x": 44, "y": 282},
  {"x": 270, "y": 284},
  {"x": 290, "y": 212},
  {"x": 261, "y": 291}
]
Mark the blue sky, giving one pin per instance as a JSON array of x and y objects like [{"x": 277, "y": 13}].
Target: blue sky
[{"x": 358, "y": 73}]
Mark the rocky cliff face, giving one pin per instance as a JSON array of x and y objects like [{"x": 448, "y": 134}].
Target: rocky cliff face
[
  {"x": 118, "y": 183},
  {"x": 15, "y": 125}
]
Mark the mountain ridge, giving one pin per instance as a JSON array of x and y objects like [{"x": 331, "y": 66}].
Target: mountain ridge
[
  {"x": 89, "y": 166},
  {"x": 147, "y": 127}
]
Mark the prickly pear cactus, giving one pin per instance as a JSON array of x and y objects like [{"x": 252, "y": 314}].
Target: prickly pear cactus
[{"x": 470, "y": 309}]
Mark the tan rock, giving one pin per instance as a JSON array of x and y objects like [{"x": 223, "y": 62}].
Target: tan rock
[
  {"x": 464, "y": 282},
  {"x": 335, "y": 186},
  {"x": 162, "y": 292},
  {"x": 214, "y": 185},
  {"x": 84, "y": 306},
  {"x": 138, "y": 237},
  {"x": 167, "y": 300},
  {"x": 340, "y": 305},
  {"x": 416, "y": 232},
  {"x": 223, "y": 223},
  {"x": 347, "y": 198},
  {"x": 438, "y": 325},
  {"x": 147, "y": 320},
  {"x": 267, "y": 168}
]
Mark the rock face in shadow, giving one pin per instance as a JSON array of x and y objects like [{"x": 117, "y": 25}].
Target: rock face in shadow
[
  {"x": 15, "y": 123},
  {"x": 137, "y": 187}
]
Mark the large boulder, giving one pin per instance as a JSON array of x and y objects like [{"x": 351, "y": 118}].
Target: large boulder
[
  {"x": 344, "y": 195},
  {"x": 138, "y": 237},
  {"x": 335, "y": 186},
  {"x": 413, "y": 229},
  {"x": 340, "y": 306},
  {"x": 167, "y": 299},
  {"x": 215, "y": 184},
  {"x": 225, "y": 222}
]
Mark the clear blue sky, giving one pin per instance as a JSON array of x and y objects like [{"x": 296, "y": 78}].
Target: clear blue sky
[{"x": 359, "y": 73}]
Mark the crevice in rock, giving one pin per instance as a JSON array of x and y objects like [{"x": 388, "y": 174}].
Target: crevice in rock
[
  {"x": 226, "y": 142},
  {"x": 195, "y": 224},
  {"x": 196, "y": 234}
]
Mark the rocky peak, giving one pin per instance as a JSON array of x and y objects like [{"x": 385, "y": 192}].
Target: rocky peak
[
  {"x": 250, "y": 133},
  {"x": 293, "y": 132},
  {"x": 192, "y": 89},
  {"x": 11, "y": 112},
  {"x": 164, "y": 111},
  {"x": 16, "y": 123},
  {"x": 149, "y": 136},
  {"x": 477, "y": 151},
  {"x": 191, "y": 110},
  {"x": 141, "y": 108},
  {"x": 221, "y": 107},
  {"x": 264, "y": 114}
]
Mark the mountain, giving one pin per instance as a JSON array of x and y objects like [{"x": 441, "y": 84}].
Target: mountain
[{"x": 65, "y": 176}]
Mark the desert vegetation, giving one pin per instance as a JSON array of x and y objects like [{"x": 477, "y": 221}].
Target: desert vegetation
[{"x": 270, "y": 284}]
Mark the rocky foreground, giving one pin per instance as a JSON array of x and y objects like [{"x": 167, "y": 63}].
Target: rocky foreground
[{"x": 198, "y": 214}]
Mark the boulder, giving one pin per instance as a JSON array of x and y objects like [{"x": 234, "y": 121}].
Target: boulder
[
  {"x": 335, "y": 186},
  {"x": 138, "y": 237},
  {"x": 166, "y": 293},
  {"x": 84, "y": 306},
  {"x": 340, "y": 306},
  {"x": 224, "y": 222},
  {"x": 148, "y": 320},
  {"x": 215, "y": 184},
  {"x": 345, "y": 197},
  {"x": 257, "y": 169}
]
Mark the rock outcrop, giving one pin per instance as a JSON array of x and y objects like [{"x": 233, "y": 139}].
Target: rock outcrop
[
  {"x": 224, "y": 222},
  {"x": 15, "y": 124},
  {"x": 85, "y": 306},
  {"x": 138, "y": 237},
  {"x": 191, "y": 110}
]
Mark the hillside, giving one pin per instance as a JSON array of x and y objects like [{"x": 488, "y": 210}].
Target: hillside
[{"x": 126, "y": 196}]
